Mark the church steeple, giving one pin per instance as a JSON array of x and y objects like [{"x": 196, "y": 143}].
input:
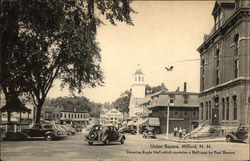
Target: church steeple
[{"x": 138, "y": 86}]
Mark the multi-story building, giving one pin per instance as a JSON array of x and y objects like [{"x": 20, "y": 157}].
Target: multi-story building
[
  {"x": 183, "y": 109},
  {"x": 76, "y": 117},
  {"x": 111, "y": 117},
  {"x": 225, "y": 67}
]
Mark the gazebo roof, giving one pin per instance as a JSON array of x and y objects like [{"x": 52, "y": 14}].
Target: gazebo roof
[{"x": 14, "y": 105}]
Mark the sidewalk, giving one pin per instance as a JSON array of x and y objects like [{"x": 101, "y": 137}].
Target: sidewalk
[{"x": 188, "y": 140}]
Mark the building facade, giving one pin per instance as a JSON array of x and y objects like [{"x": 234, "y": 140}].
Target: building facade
[
  {"x": 76, "y": 117},
  {"x": 225, "y": 67},
  {"x": 183, "y": 109},
  {"x": 111, "y": 117}
]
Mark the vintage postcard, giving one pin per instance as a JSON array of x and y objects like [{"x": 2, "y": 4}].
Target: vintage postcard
[{"x": 125, "y": 80}]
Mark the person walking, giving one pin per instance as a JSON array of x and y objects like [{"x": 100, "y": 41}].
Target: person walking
[
  {"x": 175, "y": 131},
  {"x": 180, "y": 132}
]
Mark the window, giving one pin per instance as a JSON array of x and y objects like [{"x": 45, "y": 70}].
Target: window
[
  {"x": 171, "y": 98},
  {"x": 217, "y": 76},
  {"x": 135, "y": 78},
  {"x": 57, "y": 115},
  {"x": 235, "y": 107},
  {"x": 194, "y": 114},
  {"x": 61, "y": 115},
  {"x": 236, "y": 71},
  {"x": 111, "y": 118},
  {"x": 201, "y": 111},
  {"x": 236, "y": 41},
  {"x": 176, "y": 113},
  {"x": 185, "y": 113},
  {"x": 185, "y": 99},
  {"x": 209, "y": 110},
  {"x": 75, "y": 115},
  {"x": 227, "y": 108},
  {"x": 41, "y": 114},
  {"x": 220, "y": 18},
  {"x": 142, "y": 79},
  {"x": 139, "y": 79},
  {"x": 223, "y": 108},
  {"x": 217, "y": 57},
  {"x": 206, "y": 110}
]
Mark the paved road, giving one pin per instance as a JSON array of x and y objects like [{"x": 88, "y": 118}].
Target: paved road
[{"x": 135, "y": 148}]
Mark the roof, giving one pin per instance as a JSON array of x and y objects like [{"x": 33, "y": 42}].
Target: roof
[
  {"x": 219, "y": 3},
  {"x": 14, "y": 105},
  {"x": 138, "y": 71},
  {"x": 163, "y": 100}
]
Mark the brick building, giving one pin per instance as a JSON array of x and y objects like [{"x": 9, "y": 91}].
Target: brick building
[
  {"x": 183, "y": 109},
  {"x": 225, "y": 67}
]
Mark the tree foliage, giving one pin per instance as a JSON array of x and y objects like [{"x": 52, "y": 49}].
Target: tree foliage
[
  {"x": 122, "y": 103},
  {"x": 48, "y": 40},
  {"x": 154, "y": 89}
]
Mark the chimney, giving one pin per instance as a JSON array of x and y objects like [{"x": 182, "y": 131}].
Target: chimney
[{"x": 185, "y": 86}]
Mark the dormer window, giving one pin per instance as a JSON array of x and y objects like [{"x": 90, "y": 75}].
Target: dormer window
[{"x": 218, "y": 19}]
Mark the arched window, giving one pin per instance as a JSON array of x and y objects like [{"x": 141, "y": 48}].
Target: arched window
[
  {"x": 236, "y": 40},
  {"x": 139, "y": 78}
]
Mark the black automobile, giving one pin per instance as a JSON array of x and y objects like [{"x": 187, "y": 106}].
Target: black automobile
[
  {"x": 149, "y": 132},
  {"x": 104, "y": 134},
  {"x": 47, "y": 131},
  {"x": 130, "y": 129},
  {"x": 241, "y": 135}
]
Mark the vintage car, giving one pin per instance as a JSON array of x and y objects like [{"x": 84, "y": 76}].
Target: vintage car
[
  {"x": 47, "y": 131},
  {"x": 104, "y": 134},
  {"x": 130, "y": 129},
  {"x": 241, "y": 135},
  {"x": 149, "y": 132}
]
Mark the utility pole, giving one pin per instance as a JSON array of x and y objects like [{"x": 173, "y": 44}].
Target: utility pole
[{"x": 167, "y": 121}]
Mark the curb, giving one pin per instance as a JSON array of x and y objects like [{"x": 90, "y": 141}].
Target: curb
[{"x": 192, "y": 141}]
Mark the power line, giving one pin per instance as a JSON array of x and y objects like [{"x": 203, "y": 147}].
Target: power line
[{"x": 209, "y": 58}]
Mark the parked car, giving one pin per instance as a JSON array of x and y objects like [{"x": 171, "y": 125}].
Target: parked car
[
  {"x": 104, "y": 134},
  {"x": 47, "y": 131},
  {"x": 130, "y": 129},
  {"x": 70, "y": 128},
  {"x": 149, "y": 132},
  {"x": 241, "y": 135}
]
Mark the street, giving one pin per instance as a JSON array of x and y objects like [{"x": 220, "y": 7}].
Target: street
[{"x": 135, "y": 148}]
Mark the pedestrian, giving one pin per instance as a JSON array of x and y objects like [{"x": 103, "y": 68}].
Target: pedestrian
[
  {"x": 180, "y": 132},
  {"x": 175, "y": 131}
]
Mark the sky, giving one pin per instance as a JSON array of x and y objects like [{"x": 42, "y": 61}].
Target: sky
[{"x": 164, "y": 34}]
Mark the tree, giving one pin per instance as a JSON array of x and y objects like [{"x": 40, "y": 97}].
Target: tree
[
  {"x": 122, "y": 102},
  {"x": 54, "y": 40},
  {"x": 151, "y": 90}
]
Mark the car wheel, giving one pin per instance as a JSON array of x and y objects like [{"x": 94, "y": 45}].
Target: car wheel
[
  {"x": 90, "y": 143},
  {"x": 228, "y": 139},
  {"x": 122, "y": 141},
  {"x": 49, "y": 137}
]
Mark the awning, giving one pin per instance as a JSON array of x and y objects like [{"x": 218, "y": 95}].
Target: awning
[
  {"x": 130, "y": 123},
  {"x": 142, "y": 122},
  {"x": 154, "y": 121}
]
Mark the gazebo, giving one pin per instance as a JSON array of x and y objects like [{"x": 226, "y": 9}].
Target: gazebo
[{"x": 15, "y": 105}]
